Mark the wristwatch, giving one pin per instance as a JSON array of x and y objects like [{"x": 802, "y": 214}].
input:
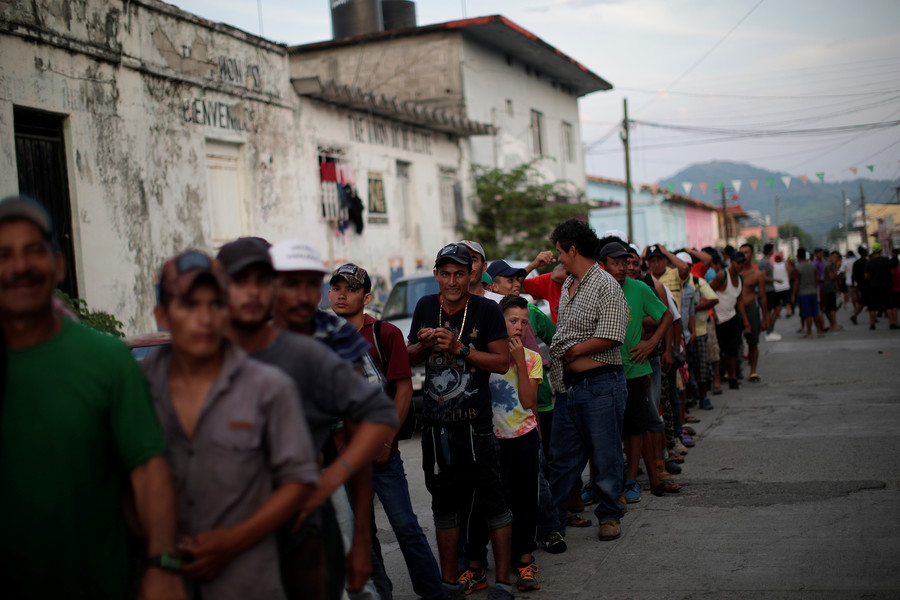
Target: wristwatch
[
  {"x": 464, "y": 352},
  {"x": 166, "y": 561}
]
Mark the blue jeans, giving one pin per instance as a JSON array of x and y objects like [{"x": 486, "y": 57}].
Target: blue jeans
[
  {"x": 587, "y": 422},
  {"x": 389, "y": 481}
]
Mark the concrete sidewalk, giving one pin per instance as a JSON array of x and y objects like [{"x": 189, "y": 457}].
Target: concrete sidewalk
[{"x": 790, "y": 492}]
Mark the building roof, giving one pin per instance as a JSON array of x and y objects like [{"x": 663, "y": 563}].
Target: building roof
[
  {"x": 388, "y": 106},
  {"x": 495, "y": 32},
  {"x": 656, "y": 189}
]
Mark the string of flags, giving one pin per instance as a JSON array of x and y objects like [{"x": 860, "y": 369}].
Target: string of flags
[{"x": 736, "y": 184}]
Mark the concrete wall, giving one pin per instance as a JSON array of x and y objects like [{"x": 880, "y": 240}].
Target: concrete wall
[
  {"x": 424, "y": 68},
  {"x": 490, "y": 82},
  {"x": 406, "y": 238}
]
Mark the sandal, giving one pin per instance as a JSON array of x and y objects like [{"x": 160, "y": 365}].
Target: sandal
[
  {"x": 754, "y": 378},
  {"x": 674, "y": 457},
  {"x": 577, "y": 521},
  {"x": 688, "y": 430},
  {"x": 717, "y": 391},
  {"x": 691, "y": 419},
  {"x": 666, "y": 487}
]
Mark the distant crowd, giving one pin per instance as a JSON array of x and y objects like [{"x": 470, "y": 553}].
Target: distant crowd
[{"x": 240, "y": 459}]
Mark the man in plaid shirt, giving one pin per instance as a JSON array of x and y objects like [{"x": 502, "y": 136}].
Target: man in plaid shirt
[{"x": 587, "y": 366}]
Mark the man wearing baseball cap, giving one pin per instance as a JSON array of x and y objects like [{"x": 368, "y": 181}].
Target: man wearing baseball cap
[
  {"x": 322, "y": 354},
  {"x": 351, "y": 291},
  {"x": 463, "y": 339},
  {"x": 507, "y": 279},
  {"x": 241, "y": 454},
  {"x": 76, "y": 428}
]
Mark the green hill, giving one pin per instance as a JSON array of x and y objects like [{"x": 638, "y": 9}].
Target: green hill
[{"x": 815, "y": 206}]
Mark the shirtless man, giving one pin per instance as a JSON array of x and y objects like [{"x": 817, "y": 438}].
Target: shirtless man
[{"x": 754, "y": 289}]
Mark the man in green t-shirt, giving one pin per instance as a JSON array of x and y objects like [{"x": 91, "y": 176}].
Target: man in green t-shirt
[
  {"x": 76, "y": 428},
  {"x": 637, "y": 424}
]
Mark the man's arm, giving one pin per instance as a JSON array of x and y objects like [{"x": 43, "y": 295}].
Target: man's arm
[
  {"x": 589, "y": 346},
  {"x": 527, "y": 386},
  {"x": 684, "y": 269},
  {"x": 154, "y": 498},
  {"x": 495, "y": 359},
  {"x": 702, "y": 256},
  {"x": 717, "y": 284},
  {"x": 739, "y": 304},
  {"x": 763, "y": 302},
  {"x": 542, "y": 259},
  {"x": 359, "y": 556},
  {"x": 212, "y": 550},
  {"x": 642, "y": 351},
  {"x": 419, "y": 350}
]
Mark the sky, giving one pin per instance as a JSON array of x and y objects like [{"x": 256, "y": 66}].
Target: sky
[{"x": 739, "y": 69}]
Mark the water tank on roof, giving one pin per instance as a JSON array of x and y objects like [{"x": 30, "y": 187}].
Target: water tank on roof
[
  {"x": 355, "y": 17},
  {"x": 398, "y": 14}
]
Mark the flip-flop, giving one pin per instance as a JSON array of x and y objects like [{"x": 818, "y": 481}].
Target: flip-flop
[
  {"x": 577, "y": 521},
  {"x": 717, "y": 391},
  {"x": 691, "y": 419},
  {"x": 666, "y": 487},
  {"x": 754, "y": 378}
]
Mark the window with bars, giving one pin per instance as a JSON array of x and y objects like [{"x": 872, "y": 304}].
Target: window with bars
[
  {"x": 451, "y": 199},
  {"x": 537, "y": 133},
  {"x": 567, "y": 137}
]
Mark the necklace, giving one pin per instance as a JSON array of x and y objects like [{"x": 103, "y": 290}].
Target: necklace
[{"x": 462, "y": 326}]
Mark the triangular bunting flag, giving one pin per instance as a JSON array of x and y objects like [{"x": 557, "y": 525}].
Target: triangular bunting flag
[
  {"x": 821, "y": 177},
  {"x": 720, "y": 185},
  {"x": 670, "y": 187},
  {"x": 853, "y": 170},
  {"x": 871, "y": 168},
  {"x": 787, "y": 180},
  {"x": 736, "y": 184},
  {"x": 703, "y": 186},
  {"x": 770, "y": 181},
  {"x": 753, "y": 183},
  {"x": 687, "y": 186},
  {"x": 803, "y": 179}
]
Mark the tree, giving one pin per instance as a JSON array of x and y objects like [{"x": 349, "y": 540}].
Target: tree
[
  {"x": 789, "y": 230},
  {"x": 515, "y": 215}
]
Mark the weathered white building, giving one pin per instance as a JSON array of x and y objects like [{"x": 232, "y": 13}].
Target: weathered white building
[
  {"x": 486, "y": 69},
  {"x": 147, "y": 130}
]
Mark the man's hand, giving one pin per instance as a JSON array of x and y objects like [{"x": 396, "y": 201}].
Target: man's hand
[
  {"x": 157, "y": 584},
  {"x": 747, "y": 327},
  {"x": 666, "y": 360},
  {"x": 444, "y": 340},
  {"x": 383, "y": 454},
  {"x": 358, "y": 565},
  {"x": 570, "y": 355},
  {"x": 426, "y": 335},
  {"x": 517, "y": 352},
  {"x": 542, "y": 259},
  {"x": 210, "y": 551},
  {"x": 642, "y": 351}
]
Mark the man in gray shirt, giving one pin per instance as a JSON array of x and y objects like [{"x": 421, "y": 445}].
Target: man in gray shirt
[
  {"x": 330, "y": 389},
  {"x": 241, "y": 457}
]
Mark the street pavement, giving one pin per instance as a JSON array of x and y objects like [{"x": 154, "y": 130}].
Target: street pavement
[{"x": 790, "y": 492}]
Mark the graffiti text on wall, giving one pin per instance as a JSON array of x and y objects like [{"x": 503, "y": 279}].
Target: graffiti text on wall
[
  {"x": 237, "y": 72},
  {"x": 218, "y": 114},
  {"x": 391, "y": 135}
]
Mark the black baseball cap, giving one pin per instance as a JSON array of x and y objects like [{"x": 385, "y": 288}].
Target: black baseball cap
[
  {"x": 355, "y": 276},
  {"x": 614, "y": 250},
  {"x": 738, "y": 256},
  {"x": 501, "y": 268},
  {"x": 453, "y": 253},
  {"x": 241, "y": 253},
  {"x": 655, "y": 252}
]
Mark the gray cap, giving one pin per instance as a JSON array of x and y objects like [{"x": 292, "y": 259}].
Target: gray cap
[
  {"x": 474, "y": 247},
  {"x": 17, "y": 207}
]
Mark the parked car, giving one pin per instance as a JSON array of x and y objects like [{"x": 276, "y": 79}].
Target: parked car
[{"x": 399, "y": 308}]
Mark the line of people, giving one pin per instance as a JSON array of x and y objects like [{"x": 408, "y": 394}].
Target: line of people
[{"x": 241, "y": 460}]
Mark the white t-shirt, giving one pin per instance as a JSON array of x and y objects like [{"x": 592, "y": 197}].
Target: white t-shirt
[{"x": 779, "y": 271}]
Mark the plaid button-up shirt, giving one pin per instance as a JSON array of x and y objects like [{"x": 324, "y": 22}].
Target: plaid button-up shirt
[{"x": 598, "y": 309}]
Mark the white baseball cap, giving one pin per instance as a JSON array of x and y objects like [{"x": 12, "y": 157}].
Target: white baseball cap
[
  {"x": 296, "y": 255},
  {"x": 685, "y": 257},
  {"x": 615, "y": 233}
]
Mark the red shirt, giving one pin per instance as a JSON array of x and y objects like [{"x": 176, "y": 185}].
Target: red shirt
[
  {"x": 699, "y": 269},
  {"x": 543, "y": 287},
  {"x": 392, "y": 344}
]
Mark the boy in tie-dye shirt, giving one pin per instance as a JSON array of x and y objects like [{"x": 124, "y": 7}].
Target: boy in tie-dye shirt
[{"x": 514, "y": 398}]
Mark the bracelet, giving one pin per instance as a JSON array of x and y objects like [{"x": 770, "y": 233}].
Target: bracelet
[{"x": 347, "y": 466}]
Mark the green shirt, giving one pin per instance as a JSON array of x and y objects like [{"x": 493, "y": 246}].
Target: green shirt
[
  {"x": 544, "y": 328},
  {"x": 75, "y": 419},
  {"x": 642, "y": 302}
]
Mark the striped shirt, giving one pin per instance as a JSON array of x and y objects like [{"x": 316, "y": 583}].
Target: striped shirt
[{"x": 598, "y": 309}]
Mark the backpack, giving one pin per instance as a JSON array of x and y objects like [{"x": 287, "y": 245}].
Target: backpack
[{"x": 410, "y": 424}]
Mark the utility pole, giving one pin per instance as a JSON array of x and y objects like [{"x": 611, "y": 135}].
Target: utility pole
[
  {"x": 777, "y": 231},
  {"x": 864, "y": 229},
  {"x": 846, "y": 233},
  {"x": 624, "y": 137},
  {"x": 725, "y": 216}
]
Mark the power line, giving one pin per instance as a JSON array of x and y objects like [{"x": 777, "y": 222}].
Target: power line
[
  {"x": 771, "y": 132},
  {"x": 716, "y": 95}
]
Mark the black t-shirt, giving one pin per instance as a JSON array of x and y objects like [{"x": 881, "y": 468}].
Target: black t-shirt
[
  {"x": 879, "y": 270},
  {"x": 456, "y": 392},
  {"x": 858, "y": 273}
]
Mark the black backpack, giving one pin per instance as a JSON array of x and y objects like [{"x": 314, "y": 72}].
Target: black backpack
[{"x": 410, "y": 424}]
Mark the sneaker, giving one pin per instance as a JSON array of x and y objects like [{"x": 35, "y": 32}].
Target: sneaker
[
  {"x": 895, "y": 326},
  {"x": 672, "y": 467},
  {"x": 472, "y": 580},
  {"x": 872, "y": 327},
  {"x": 705, "y": 404},
  {"x": 526, "y": 578},
  {"x": 632, "y": 492},
  {"x": 501, "y": 591},
  {"x": 589, "y": 495},
  {"x": 680, "y": 447},
  {"x": 773, "y": 337},
  {"x": 453, "y": 591},
  {"x": 609, "y": 530},
  {"x": 554, "y": 543},
  {"x": 687, "y": 440}
]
